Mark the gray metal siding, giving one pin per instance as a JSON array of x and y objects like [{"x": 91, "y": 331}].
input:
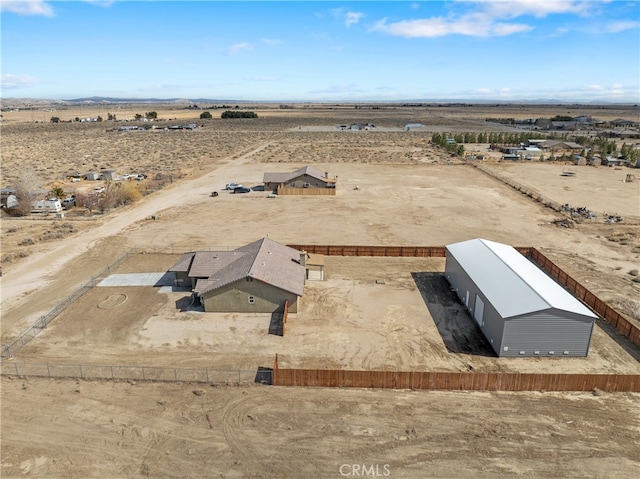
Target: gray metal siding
[{"x": 546, "y": 334}]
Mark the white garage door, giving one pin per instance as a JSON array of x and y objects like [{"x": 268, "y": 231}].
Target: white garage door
[{"x": 478, "y": 310}]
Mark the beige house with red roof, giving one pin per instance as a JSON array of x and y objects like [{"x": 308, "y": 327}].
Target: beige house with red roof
[{"x": 257, "y": 278}]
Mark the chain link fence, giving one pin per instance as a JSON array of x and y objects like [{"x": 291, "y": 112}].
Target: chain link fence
[{"x": 139, "y": 373}]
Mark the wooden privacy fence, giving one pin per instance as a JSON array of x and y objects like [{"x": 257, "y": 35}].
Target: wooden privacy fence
[
  {"x": 455, "y": 381},
  {"x": 287, "y": 191},
  {"x": 622, "y": 324},
  {"x": 392, "y": 251}
]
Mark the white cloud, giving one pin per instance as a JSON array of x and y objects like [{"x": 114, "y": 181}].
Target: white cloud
[
  {"x": 616, "y": 27},
  {"x": 536, "y": 8},
  {"x": 271, "y": 41},
  {"x": 595, "y": 88},
  {"x": 27, "y": 7},
  {"x": 347, "y": 17},
  {"x": 351, "y": 18},
  {"x": 490, "y": 18},
  {"x": 483, "y": 91},
  {"x": 239, "y": 47},
  {"x": 439, "y": 27},
  {"x": 9, "y": 81}
]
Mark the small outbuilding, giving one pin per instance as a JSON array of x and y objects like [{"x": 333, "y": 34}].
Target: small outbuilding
[{"x": 519, "y": 308}]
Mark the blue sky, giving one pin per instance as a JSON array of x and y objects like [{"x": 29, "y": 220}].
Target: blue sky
[{"x": 576, "y": 51}]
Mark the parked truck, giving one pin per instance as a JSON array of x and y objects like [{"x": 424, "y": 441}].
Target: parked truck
[{"x": 51, "y": 205}]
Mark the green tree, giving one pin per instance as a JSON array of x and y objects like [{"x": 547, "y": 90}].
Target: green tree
[
  {"x": 151, "y": 115},
  {"x": 57, "y": 192},
  {"x": 205, "y": 115}
]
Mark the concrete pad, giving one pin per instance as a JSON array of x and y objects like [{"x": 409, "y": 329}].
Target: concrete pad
[{"x": 139, "y": 279}]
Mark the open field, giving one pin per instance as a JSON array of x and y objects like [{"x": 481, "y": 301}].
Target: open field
[{"x": 409, "y": 193}]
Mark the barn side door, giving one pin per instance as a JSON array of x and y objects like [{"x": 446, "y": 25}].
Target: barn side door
[{"x": 478, "y": 311}]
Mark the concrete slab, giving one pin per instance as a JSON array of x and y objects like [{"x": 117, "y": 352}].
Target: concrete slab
[{"x": 139, "y": 279}]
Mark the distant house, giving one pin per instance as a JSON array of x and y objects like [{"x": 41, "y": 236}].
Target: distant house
[
  {"x": 92, "y": 176},
  {"x": 560, "y": 147},
  {"x": 107, "y": 175},
  {"x": 257, "y": 278},
  {"x": 305, "y": 177}
]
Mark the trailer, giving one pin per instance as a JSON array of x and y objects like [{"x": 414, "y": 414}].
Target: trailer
[{"x": 52, "y": 205}]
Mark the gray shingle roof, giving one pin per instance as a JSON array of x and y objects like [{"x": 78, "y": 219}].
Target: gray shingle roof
[
  {"x": 183, "y": 264},
  {"x": 263, "y": 260},
  {"x": 284, "y": 177}
]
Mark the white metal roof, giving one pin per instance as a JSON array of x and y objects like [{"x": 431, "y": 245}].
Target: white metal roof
[{"x": 512, "y": 283}]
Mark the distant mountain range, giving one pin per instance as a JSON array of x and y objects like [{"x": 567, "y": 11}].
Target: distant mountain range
[{"x": 94, "y": 100}]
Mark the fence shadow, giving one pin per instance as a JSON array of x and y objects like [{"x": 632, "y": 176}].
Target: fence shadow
[
  {"x": 264, "y": 376},
  {"x": 619, "y": 338},
  {"x": 276, "y": 325},
  {"x": 458, "y": 330}
]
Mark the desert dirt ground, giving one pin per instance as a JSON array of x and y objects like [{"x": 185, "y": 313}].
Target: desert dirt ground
[{"x": 409, "y": 193}]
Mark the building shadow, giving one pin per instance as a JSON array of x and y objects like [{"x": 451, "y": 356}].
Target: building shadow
[
  {"x": 459, "y": 332},
  {"x": 189, "y": 303},
  {"x": 264, "y": 376},
  {"x": 276, "y": 326}
]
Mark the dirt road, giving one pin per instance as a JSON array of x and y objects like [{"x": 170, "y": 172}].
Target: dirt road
[{"x": 40, "y": 268}]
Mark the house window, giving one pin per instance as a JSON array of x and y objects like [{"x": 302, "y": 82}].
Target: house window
[{"x": 252, "y": 299}]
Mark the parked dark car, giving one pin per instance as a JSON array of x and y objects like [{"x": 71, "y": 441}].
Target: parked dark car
[{"x": 241, "y": 189}]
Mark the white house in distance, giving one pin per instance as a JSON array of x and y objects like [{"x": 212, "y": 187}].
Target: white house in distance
[{"x": 519, "y": 308}]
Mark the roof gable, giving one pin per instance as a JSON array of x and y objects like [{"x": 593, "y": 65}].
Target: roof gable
[
  {"x": 512, "y": 283},
  {"x": 264, "y": 260},
  {"x": 284, "y": 177}
]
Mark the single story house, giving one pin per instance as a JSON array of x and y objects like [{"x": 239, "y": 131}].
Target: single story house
[
  {"x": 305, "y": 177},
  {"x": 518, "y": 307},
  {"x": 256, "y": 278}
]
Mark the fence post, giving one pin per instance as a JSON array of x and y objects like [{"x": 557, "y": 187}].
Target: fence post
[
  {"x": 143, "y": 378},
  {"x": 239, "y": 376},
  {"x": 80, "y": 366},
  {"x": 111, "y": 371},
  {"x": 16, "y": 365},
  {"x": 206, "y": 370}
]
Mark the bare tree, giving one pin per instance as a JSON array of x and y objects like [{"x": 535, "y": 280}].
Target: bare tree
[{"x": 26, "y": 191}]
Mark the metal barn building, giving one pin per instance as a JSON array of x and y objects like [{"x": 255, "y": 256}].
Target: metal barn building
[{"x": 520, "y": 310}]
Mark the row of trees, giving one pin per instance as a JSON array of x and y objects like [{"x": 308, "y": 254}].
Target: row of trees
[
  {"x": 442, "y": 141},
  {"x": 206, "y": 115},
  {"x": 238, "y": 114}
]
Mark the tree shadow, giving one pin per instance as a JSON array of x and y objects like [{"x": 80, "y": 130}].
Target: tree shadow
[{"x": 459, "y": 332}]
